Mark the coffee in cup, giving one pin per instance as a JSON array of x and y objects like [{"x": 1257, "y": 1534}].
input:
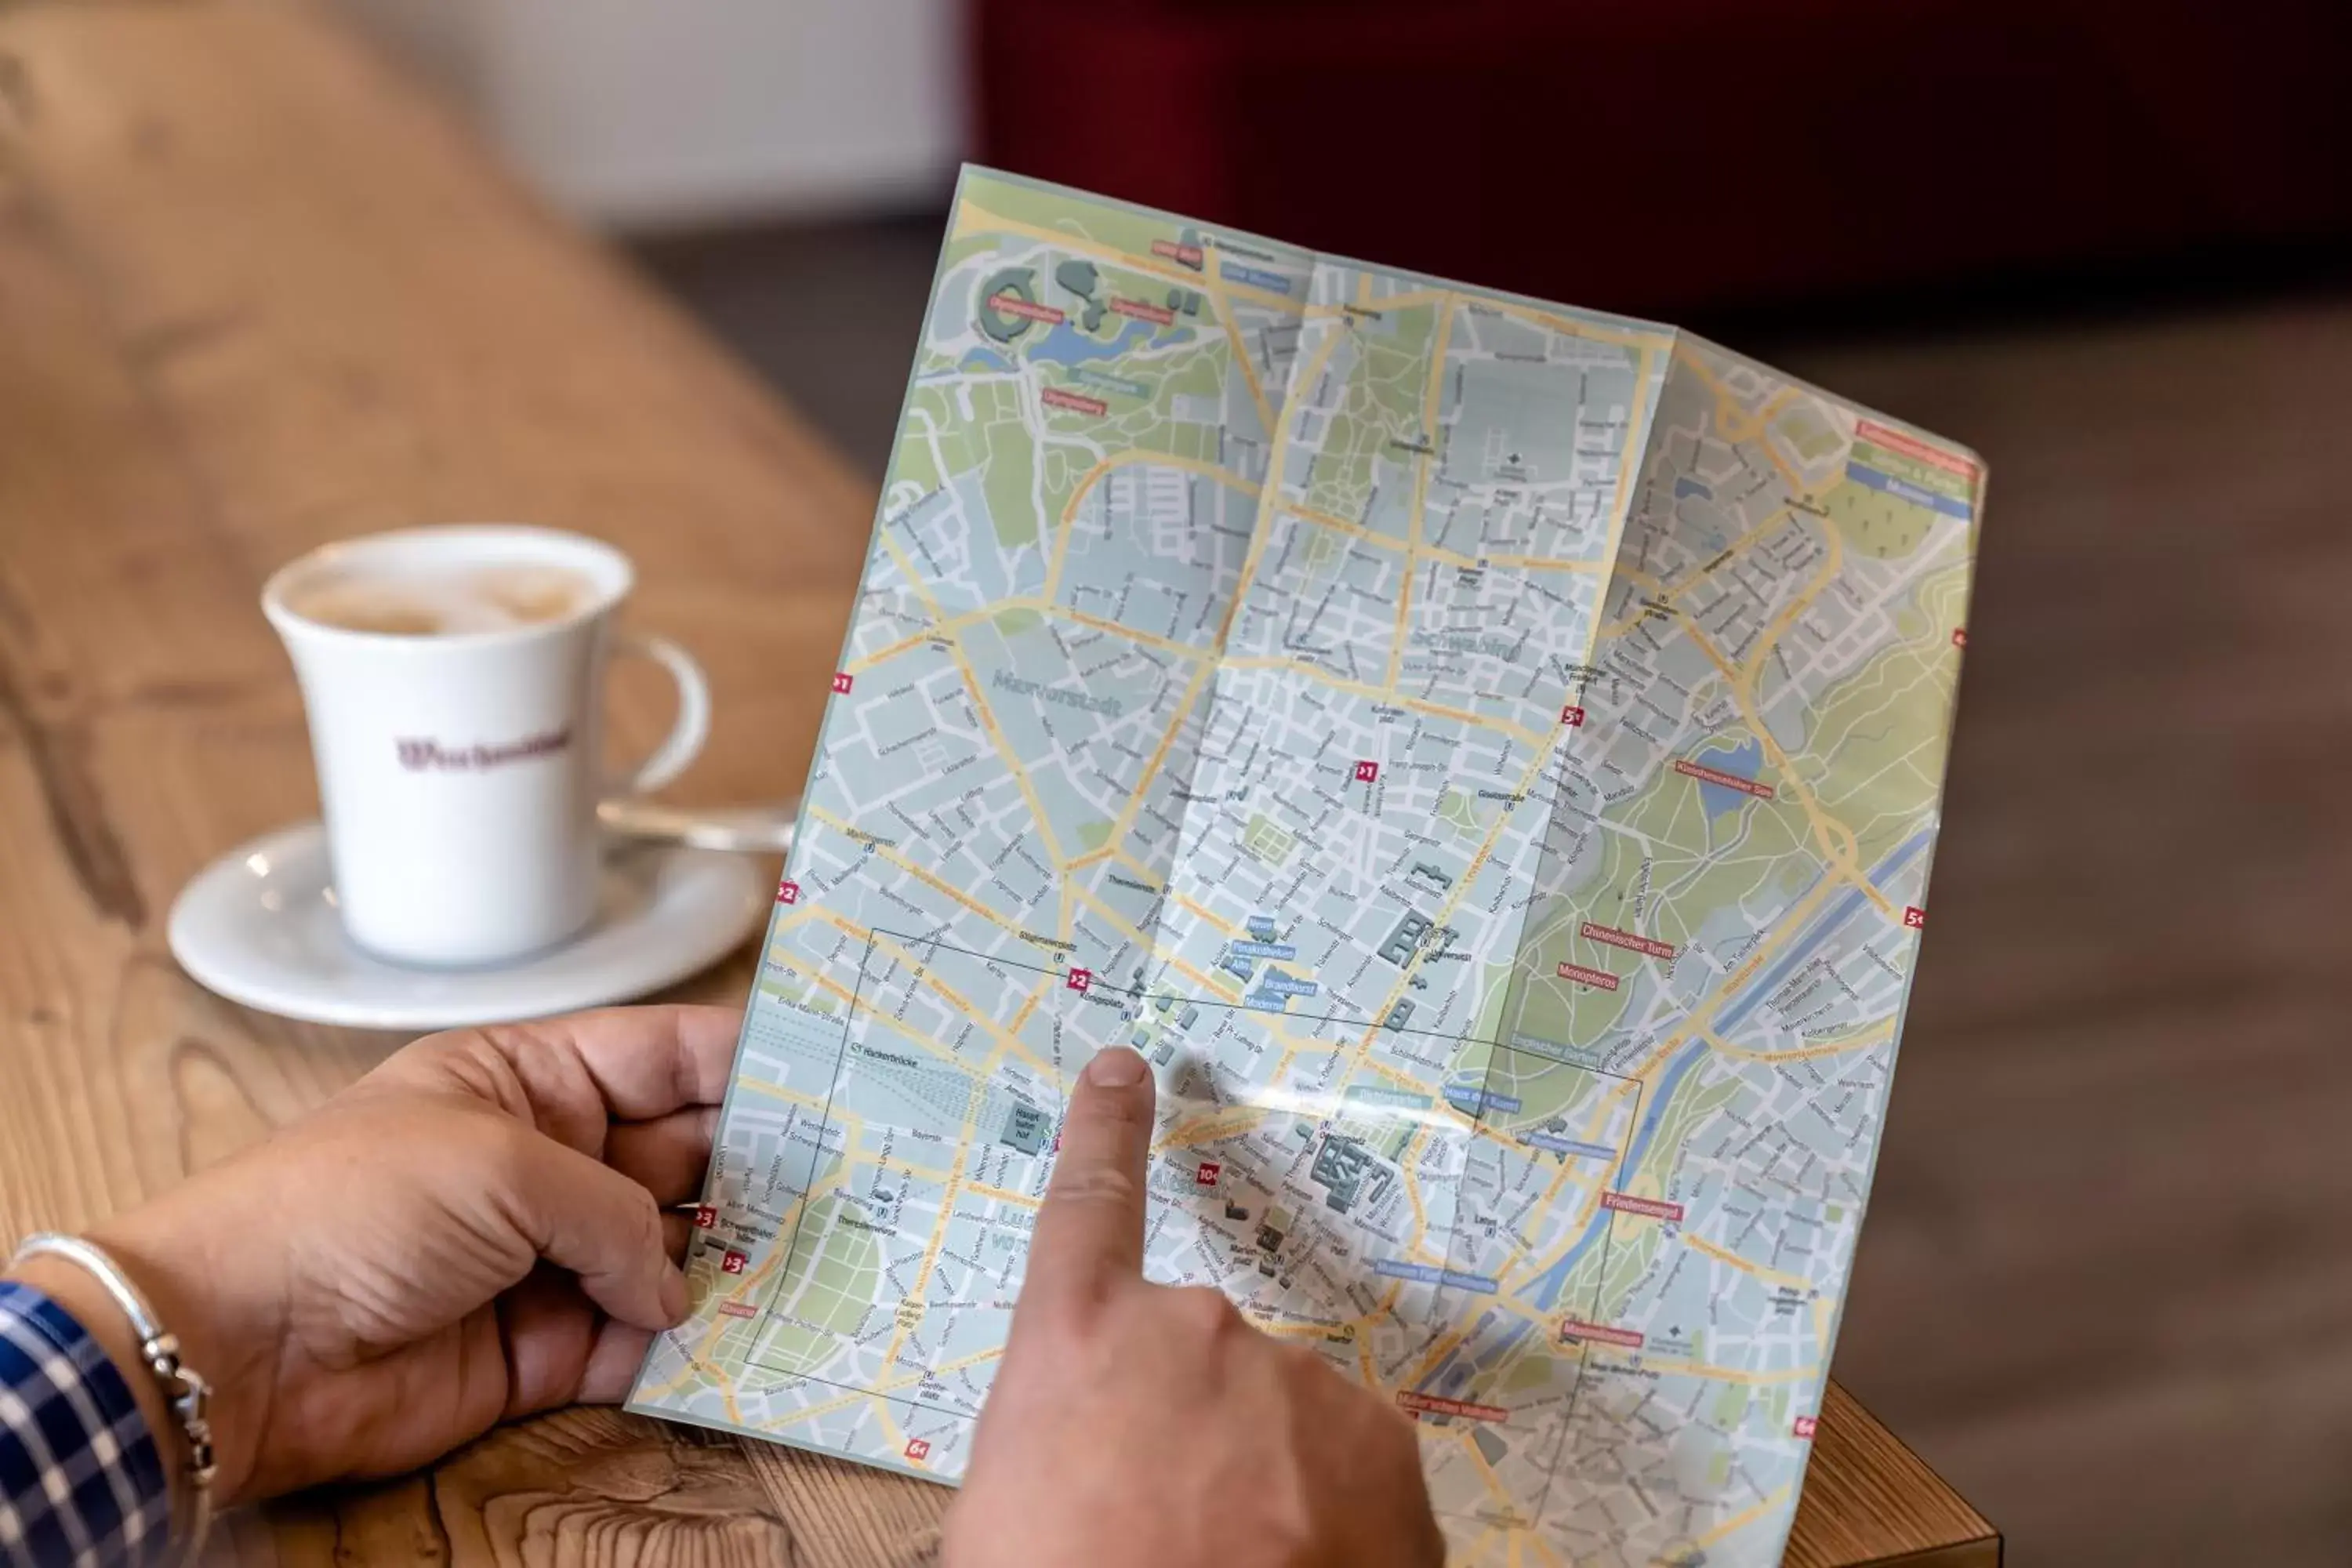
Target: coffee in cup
[
  {"x": 457, "y": 602},
  {"x": 453, "y": 679}
]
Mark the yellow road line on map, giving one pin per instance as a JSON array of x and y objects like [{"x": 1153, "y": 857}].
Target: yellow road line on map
[
  {"x": 1419, "y": 553},
  {"x": 1149, "y": 640},
  {"x": 1517, "y": 731},
  {"x": 939, "y": 1238},
  {"x": 1037, "y": 994},
  {"x": 1204, "y": 916},
  {"x": 1124, "y": 824},
  {"x": 1001, "y": 1195},
  {"x": 1428, "y": 434},
  {"x": 922, "y": 590},
  {"x": 1541, "y": 754},
  {"x": 1230, "y": 321},
  {"x": 1220, "y": 291},
  {"x": 1135, "y": 935},
  {"x": 1827, "y": 829},
  {"x": 972, "y": 215},
  {"x": 1601, "y": 1179},
  {"x": 1494, "y": 1482},
  {"x": 1762, "y": 1507},
  {"x": 1093, "y": 475},
  {"x": 1728, "y": 414},
  {"x": 1701, "y": 1017},
  {"x": 1645, "y": 342},
  {"x": 1797, "y": 606},
  {"x": 928, "y": 878},
  {"x": 1005, "y": 1040},
  {"x": 1292, "y": 412},
  {"x": 1671, "y": 595},
  {"x": 1012, "y": 764},
  {"x": 1746, "y": 1265},
  {"x": 1876, "y": 1035}
]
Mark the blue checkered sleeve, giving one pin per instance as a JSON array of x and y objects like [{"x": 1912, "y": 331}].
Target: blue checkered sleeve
[{"x": 80, "y": 1481}]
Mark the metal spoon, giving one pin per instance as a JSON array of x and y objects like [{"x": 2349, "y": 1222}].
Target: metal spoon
[{"x": 749, "y": 830}]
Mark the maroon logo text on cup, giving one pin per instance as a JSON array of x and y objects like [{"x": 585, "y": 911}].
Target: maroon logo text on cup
[{"x": 422, "y": 754}]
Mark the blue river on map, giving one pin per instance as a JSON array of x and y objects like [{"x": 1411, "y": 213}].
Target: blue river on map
[{"x": 1543, "y": 1291}]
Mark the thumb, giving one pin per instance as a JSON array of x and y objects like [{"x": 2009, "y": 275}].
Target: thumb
[
  {"x": 583, "y": 1216},
  {"x": 1090, "y": 1226}
]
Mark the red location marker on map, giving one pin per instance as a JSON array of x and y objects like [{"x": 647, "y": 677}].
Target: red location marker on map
[
  {"x": 1080, "y": 979},
  {"x": 788, "y": 893},
  {"x": 705, "y": 1217},
  {"x": 1959, "y": 636},
  {"x": 1572, "y": 716},
  {"x": 1368, "y": 773},
  {"x": 841, "y": 679},
  {"x": 1206, "y": 1176},
  {"x": 1914, "y": 918},
  {"x": 1804, "y": 1426},
  {"x": 919, "y": 1448},
  {"x": 732, "y": 1263}
]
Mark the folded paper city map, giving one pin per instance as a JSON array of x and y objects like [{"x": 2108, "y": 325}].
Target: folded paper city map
[{"x": 1485, "y": 754}]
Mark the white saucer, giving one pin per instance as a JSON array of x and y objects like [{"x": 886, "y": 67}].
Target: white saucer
[{"x": 259, "y": 927}]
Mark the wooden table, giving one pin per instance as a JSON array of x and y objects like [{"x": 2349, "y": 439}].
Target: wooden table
[{"x": 255, "y": 292}]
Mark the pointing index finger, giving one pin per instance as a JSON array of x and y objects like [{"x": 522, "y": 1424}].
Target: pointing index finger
[{"x": 1090, "y": 1226}]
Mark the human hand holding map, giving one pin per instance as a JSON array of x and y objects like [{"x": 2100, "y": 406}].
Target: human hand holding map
[{"x": 1485, "y": 754}]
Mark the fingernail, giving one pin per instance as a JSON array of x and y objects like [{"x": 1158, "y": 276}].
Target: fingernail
[
  {"x": 1115, "y": 1067},
  {"x": 673, "y": 1294}
]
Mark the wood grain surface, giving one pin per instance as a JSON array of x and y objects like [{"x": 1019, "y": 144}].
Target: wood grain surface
[{"x": 256, "y": 293}]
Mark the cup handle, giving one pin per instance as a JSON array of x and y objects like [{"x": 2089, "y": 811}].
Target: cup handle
[{"x": 686, "y": 737}]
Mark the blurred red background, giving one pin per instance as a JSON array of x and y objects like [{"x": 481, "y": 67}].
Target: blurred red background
[{"x": 1675, "y": 155}]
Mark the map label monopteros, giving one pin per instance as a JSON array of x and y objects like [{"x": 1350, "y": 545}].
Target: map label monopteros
[
  {"x": 1583, "y": 976},
  {"x": 1654, "y": 1208},
  {"x": 1705, "y": 775},
  {"x": 1611, "y": 937},
  {"x": 1184, "y": 255},
  {"x": 738, "y": 1310}
]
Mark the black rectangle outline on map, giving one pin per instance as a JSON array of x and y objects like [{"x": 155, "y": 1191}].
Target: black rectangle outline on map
[{"x": 1476, "y": 1121}]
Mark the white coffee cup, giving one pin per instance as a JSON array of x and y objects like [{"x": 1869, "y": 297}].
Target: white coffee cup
[{"x": 460, "y": 769}]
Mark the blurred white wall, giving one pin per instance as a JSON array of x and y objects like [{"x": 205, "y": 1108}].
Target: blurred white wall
[{"x": 658, "y": 113}]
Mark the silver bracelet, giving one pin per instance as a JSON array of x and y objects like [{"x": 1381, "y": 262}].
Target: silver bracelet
[{"x": 187, "y": 1392}]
